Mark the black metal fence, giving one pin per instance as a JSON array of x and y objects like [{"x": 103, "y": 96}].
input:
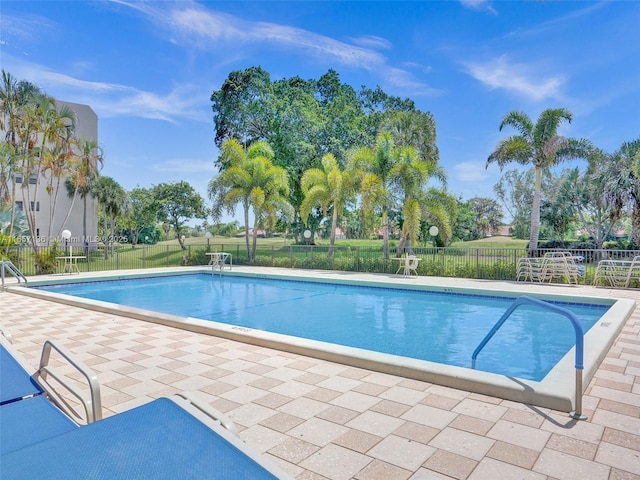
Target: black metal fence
[{"x": 479, "y": 263}]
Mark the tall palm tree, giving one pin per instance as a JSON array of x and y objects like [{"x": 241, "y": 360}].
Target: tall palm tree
[
  {"x": 539, "y": 145},
  {"x": 622, "y": 179},
  {"x": 325, "y": 187},
  {"x": 269, "y": 195},
  {"x": 56, "y": 153},
  {"x": 409, "y": 177},
  {"x": 373, "y": 167},
  {"x": 249, "y": 177},
  {"x": 114, "y": 201},
  {"x": 84, "y": 172},
  {"x": 17, "y": 111}
]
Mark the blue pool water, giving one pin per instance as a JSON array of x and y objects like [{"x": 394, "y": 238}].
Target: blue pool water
[{"x": 438, "y": 327}]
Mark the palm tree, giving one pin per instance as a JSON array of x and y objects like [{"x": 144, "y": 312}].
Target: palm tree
[
  {"x": 84, "y": 171},
  {"x": 17, "y": 111},
  {"x": 56, "y": 152},
  {"x": 250, "y": 177},
  {"x": 538, "y": 145},
  {"x": 114, "y": 201},
  {"x": 373, "y": 167},
  {"x": 622, "y": 179},
  {"x": 409, "y": 177},
  {"x": 325, "y": 187}
]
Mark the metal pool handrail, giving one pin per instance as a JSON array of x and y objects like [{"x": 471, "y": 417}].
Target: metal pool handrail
[
  {"x": 8, "y": 266},
  {"x": 577, "y": 413}
]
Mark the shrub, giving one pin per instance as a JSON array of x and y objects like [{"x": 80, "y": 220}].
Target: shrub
[{"x": 553, "y": 244}]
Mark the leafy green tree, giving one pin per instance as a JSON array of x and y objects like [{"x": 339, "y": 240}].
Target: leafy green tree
[
  {"x": 486, "y": 216},
  {"x": 539, "y": 145},
  {"x": 377, "y": 105},
  {"x": 144, "y": 214},
  {"x": 414, "y": 129},
  {"x": 463, "y": 224},
  {"x": 242, "y": 106},
  {"x": 302, "y": 120},
  {"x": 177, "y": 203},
  {"x": 557, "y": 209},
  {"x": 515, "y": 191},
  {"x": 328, "y": 187},
  {"x": 587, "y": 193}
]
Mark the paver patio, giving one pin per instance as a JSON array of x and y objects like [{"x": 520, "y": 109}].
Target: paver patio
[{"x": 322, "y": 420}]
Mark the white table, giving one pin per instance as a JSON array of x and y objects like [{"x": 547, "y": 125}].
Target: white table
[{"x": 220, "y": 260}]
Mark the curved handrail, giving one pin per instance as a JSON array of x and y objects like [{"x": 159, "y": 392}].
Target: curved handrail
[
  {"x": 577, "y": 414},
  {"x": 7, "y": 265}
]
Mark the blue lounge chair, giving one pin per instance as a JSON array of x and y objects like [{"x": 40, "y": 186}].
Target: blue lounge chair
[
  {"x": 28, "y": 411},
  {"x": 165, "y": 438},
  {"x": 177, "y": 437},
  {"x": 15, "y": 382}
]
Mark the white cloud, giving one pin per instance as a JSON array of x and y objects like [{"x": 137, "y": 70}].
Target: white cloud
[
  {"x": 517, "y": 78},
  {"x": 479, "y": 5},
  {"x": 472, "y": 172},
  {"x": 372, "y": 41},
  {"x": 195, "y": 25},
  {"x": 112, "y": 100}
]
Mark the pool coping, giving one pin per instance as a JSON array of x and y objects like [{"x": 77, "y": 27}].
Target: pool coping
[{"x": 556, "y": 391}]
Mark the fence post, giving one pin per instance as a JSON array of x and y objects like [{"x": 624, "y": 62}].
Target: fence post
[{"x": 357, "y": 259}]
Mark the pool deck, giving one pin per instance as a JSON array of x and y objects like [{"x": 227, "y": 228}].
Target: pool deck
[{"x": 322, "y": 420}]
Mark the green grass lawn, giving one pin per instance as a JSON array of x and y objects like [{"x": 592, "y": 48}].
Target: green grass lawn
[{"x": 489, "y": 242}]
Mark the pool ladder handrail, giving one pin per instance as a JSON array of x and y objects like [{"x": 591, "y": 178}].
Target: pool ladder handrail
[
  {"x": 8, "y": 266},
  {"x": 577, "y": 413}
]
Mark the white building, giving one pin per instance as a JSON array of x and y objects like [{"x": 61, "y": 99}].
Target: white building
[{"x": 68, "y": 213}]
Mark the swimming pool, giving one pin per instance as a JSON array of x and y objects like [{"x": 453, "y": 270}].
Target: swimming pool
[
  {"x": 440, "y": 327},
  {"x": 536, "y": 374}
]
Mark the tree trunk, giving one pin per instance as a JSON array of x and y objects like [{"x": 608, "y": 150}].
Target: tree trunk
[
  {"x": 332, "y": 237},
  {"x": 254, "y": 240},
  {"x": 246, "y": 232},
  {"x": 385, "y": 233},
  {"x": 535, "y": 213},
  {"x": 401, "y": 242},
  {"x": 106, "y": 236},
  {"x": 635, "y": 222},
  {"x": 84, "y": 218}
]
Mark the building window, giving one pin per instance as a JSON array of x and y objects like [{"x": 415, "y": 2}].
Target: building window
[
  {"x": 19, "y": 205},
  {"x": 18, "y": 178},
  {"x": 36, "y": 205},
  {"x": 33, "y": 179}
]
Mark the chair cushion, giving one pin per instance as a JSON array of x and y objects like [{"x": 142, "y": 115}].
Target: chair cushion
[
  {"x": 157, "y": 440},
  {"x": 30, "y": 421}
]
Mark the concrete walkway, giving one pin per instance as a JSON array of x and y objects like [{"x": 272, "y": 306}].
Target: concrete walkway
[{"x": 322, "y": 420}]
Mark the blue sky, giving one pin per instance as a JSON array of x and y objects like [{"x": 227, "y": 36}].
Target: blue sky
[{"x": 148, "y": 69}]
